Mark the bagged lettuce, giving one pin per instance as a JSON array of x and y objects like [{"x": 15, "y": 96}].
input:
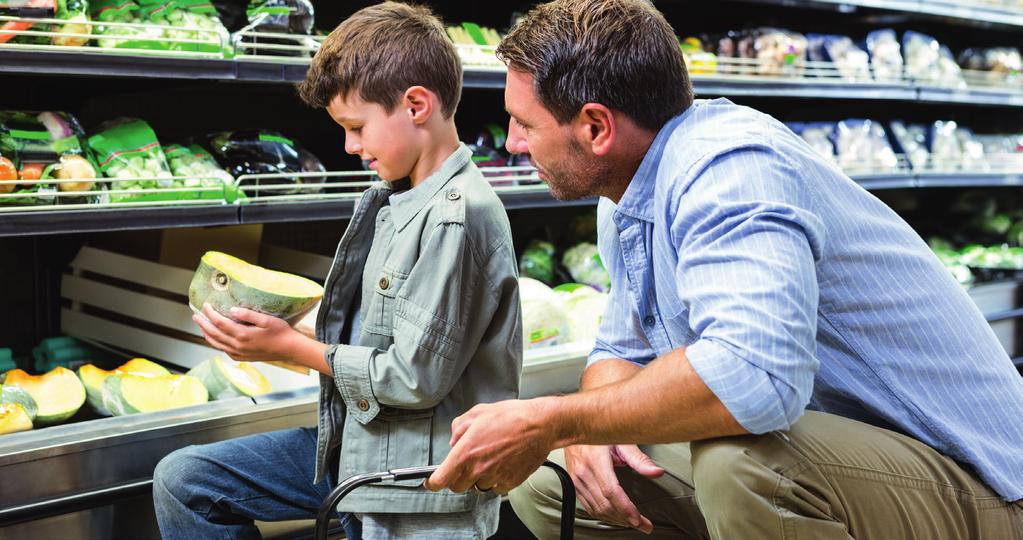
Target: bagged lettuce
[
  {"x": 537, "y": 261},
  {"x": 119, "y": 37},
  {"x": 195, "y": 162},
  {"x": 585, "y": 308},
  {"x": 544, "y": 320},
  {"x": 127, "y": 148},
  {"x": 182, "y": 18},
  {"x": 584, "y": 264},
  {"x": 45, "y": 146}
]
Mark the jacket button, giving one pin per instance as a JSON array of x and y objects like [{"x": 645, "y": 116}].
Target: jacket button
[
  {"x": 649, "y": 320},
  {"x": 453, "y": 195},
  {"x": 384, "y": 283},
  {"x": 362, "y": 404}
]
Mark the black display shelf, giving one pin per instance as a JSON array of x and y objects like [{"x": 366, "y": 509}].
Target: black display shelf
[{"x": 115, "y": 219}]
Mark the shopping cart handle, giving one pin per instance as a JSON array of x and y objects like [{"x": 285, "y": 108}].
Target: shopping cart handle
[{"x": 327, "y": 508}]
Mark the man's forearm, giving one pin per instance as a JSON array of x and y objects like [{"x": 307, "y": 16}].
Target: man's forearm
[
  {"x": 607, "y": 372},
  {"x": 661, "y": 403}
]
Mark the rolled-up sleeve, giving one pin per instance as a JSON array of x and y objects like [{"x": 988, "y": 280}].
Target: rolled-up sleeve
[
  {"x": 439, "y": 316},
  {"x": 747, "y": 245}
]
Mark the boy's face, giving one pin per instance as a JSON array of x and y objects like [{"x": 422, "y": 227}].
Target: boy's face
[{"x": 386, "y": 140}]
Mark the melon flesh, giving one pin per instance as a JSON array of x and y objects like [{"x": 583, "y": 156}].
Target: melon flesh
[
  {"x": 224, "y": 282},
  {"x": 59, "y": 393},
  {"x": 14, "y": 418},
  {"x": 130, "y": 394},
  {"x": 93, "y": 377},
  {"x": 227, "y": 379}
]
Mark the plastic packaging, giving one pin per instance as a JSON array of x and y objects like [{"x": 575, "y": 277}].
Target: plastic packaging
[
  {"x": 585, "y": 308},
  {"x": 196, "y": 163},
  {"x": 852, "y": 62},
  {"x": 779, "y": 52},
  {"x": 256, "y": 151},
  {"x": 863, "y": 144},
  {"x": 697, "y": 59},
  {"x": 181, "y": 17},
  {"x": 584, "y": 264},
  {"x": 885, "y": 55},
  {"x": 819, "y": 136},
  {"x": 124, "y": 11},
  {"x": 282, "y": 16},
  {"x": 72, "y": 11},
  {"x": 44, "y": 146},
  {"x": 946, "y": 152},
  {"x": 127, "y": 149},
  {"x": 544, "y": 320},
  {"x": 912, "y": 142},
  {"x": 537, "y": 261},
  {"x": 930, "y": 62}
]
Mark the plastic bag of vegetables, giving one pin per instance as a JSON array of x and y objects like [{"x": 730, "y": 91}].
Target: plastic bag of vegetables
[
  {"x": 71, "y": 33},
  {"x": 44, "y": 146},
  {"x": 544, "y": 320},
  {"x": 537, "y": 261},
  {"x": 266, "y": 152},
  {"x": 127, "y": 149},
  {"x": 584, "y": 264},
  {"x": 201, "y": 169},
  {"x": 120, "y": 37},
  {"x": 294, "y": 17},
  {"x": 194, "y": 20}
]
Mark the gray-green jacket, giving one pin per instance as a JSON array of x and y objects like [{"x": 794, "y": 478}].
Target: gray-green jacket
[{"x": 439, "y": 331}]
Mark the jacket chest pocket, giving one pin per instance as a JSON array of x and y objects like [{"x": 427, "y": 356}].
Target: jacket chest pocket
[
  {"x": 395, "y": 439},
  {"x": 379, "y": 317}
]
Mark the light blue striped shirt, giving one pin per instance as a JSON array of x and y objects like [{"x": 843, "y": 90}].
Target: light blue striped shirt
[{"x": 793, "y": 288}]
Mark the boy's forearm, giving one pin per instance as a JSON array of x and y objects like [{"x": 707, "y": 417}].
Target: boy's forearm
[{"x": 310, "y": 353}]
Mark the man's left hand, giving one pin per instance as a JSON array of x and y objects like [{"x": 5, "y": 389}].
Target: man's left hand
[
  {"x": 495, "y": 446},
  {"x": 265, "y": 338}
]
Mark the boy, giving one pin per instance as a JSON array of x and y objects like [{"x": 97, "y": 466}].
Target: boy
[{"x": 420, "y": 318}]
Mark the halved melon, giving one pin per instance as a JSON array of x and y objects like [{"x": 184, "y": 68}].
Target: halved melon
[
  {"x": 227, "y": 379},
  {"x": 130, "y": 394},
  {"x": 225, "y": 282},
  {"x": 93, "y": 377},
  {"x": 13, "y": 418},
  {"x": 18, "y": 395},
  {"x": 59, "y": 394}
]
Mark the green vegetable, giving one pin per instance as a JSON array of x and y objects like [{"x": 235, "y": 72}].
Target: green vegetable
[
  {"x": 584, "y": 264},
  {"x": 537, "y": 261}
]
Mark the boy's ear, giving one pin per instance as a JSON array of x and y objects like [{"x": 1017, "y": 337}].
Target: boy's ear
[
  {"x": 595, "y": 128},
  {"x": 419, "y": 104}
]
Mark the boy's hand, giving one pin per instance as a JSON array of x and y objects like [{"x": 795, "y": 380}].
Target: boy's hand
[{"x": 269, "y": 338}]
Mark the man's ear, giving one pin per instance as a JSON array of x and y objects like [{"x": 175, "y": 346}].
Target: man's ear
[
  {"x": 419, "y": 103},
  {"x": 596, "y": 128}
]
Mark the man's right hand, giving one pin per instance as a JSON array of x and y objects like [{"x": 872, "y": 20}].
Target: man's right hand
[{"x": 592, "y": 471}]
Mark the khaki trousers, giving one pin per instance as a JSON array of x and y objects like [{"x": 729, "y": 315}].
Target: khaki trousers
[{"x": 828, "y": 477}]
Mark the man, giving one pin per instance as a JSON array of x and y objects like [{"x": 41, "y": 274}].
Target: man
[{"x": 794, "y": 359}]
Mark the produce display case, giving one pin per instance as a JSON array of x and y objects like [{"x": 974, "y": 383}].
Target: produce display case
[{"x": 78, "y": 264}]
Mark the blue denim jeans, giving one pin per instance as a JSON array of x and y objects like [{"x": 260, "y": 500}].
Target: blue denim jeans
[{"x": 217, "y": 490}]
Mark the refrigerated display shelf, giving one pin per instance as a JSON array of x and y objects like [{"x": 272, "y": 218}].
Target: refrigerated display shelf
[{"x": 963, "y": 11}]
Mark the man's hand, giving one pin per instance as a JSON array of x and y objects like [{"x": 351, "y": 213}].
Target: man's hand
[
  {"x": 592, "y": 471},
  {"x": 268, "y": 338},
  {"x": 495, "y": 446}
]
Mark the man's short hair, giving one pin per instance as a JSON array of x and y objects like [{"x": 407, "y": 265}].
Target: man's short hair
[
  {"x": 381, "y": 51},
  {"x": 622, "y": 54}
]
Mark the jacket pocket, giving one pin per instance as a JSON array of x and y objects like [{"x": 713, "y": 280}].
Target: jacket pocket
[
  {"x": 379, "y": 317},
  {"x": 395, "y": 439}
]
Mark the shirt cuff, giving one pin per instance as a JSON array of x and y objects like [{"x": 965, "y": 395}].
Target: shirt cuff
[
  {"x": 350, "y": 364},
  {"x": 744, "y": 389}
]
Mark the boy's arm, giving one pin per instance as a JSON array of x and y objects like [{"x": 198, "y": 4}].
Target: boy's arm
[{"x": 449, "y": 300}]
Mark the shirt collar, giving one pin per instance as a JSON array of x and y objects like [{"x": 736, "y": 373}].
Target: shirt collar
[
  {"x": 405, "y": 205},
  {"x": 637, "y": 201}
]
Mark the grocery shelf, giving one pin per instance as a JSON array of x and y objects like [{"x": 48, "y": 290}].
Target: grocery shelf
[
  {"x": 58, "y": 221},
  {"x": 968, "y": 12},
  {"x": 98, "y": 63}
]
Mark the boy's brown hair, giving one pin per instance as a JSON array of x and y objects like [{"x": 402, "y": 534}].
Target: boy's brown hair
[
  {"x": 381, "y": 51},
  {"x": 619, "y": 53}
]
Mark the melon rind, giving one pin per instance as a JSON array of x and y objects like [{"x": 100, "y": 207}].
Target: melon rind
[
  {"x": 224, "y": 282},
  {"x": 16, "y": 394},
  {"x": 128, "y": 394},
  {"x": 93, "y": 377},
  {"x": 223, "y": 381}
]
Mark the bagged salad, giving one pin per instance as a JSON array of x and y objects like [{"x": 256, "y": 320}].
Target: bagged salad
[
  {"x": 584, "y": 264},
  {"x": 863, "y": 144},
  {"x": 194, "y": 20},
  {"x": 779, "y": 52},
  {"x": 119, "y": 37},
  {"x": 40, "y": 146},
  {"x": 885, "y": 55},
  {"x": 201, "y": 170},
  {"x": 72, "y": 33},
  {"x": 128, "y": 152},
  {"x": 930, "y": 62}
]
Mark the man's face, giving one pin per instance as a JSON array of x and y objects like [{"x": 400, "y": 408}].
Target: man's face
[
  {"x": 571, "y": 172},
  {"x": 384, "y": 140}
]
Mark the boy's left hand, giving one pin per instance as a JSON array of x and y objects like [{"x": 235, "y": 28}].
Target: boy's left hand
[{"x": 267, "y": 338}]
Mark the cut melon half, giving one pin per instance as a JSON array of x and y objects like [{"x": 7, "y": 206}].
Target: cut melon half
[
  {"x": 227, "y": 379},
  {"x": 93, "y": 377},
  {"x": 59, "y": 393},
  {"x": 225, "y": 282},
  {"x": 18, "y": 395},
  {"x": 130, "y": 394},
  {"x": 14, "y": 418}
]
